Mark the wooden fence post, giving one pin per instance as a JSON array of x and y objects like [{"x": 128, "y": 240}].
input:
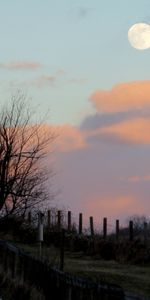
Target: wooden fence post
[
  {"x": 131, "y": 231},
  {"x": 59, "y": 220},
  {"x": 91, "y": 226},
  {"x": 40, "y": 231},
  {"x": 69, "y": 220},
  {"x": 49, "y": 218},
  {"x": 117, "y": 229},
  {"x": 104, "y": 228},
  {"x": 80, "y": 223}
]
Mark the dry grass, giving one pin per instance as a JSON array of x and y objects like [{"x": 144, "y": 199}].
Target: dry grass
[
  {"x": 11, "y": 289},
  {"x": 133, "y": 278}
]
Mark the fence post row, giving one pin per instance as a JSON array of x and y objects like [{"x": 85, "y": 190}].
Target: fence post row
[{"x": 59, "y": 223}]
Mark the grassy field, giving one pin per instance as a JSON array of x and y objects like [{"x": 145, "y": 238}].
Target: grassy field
[{"x": 135, "y": 279}]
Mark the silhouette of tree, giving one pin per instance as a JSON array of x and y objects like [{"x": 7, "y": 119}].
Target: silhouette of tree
[{"x": 23, "y": 149}]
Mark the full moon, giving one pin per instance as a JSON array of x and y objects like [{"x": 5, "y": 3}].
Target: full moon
[{"x": 139, "y": 36}]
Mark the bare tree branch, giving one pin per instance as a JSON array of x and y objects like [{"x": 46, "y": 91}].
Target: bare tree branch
[{"x": 23, "y": 148}]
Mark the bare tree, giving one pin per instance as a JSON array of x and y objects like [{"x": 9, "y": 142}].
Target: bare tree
[{"x": 23, "y": 149}]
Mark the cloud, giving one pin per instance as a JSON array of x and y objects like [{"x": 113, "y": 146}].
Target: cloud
[
  {"x": 79, "y": 13},
  {"x": 123, "y": 97},
  {"x": 111, "y": 206},
  {"x": 114, "y": 207},
  {"x": 99, "y": 120},
  {"x": 101, "y": 180},
  {"x": 134, "y": 178},
  {"x": 82, "y": 12},
  {"x": 69, "y": 138},
  {"x": 43, "y": 81},
  {"x": 135, "y": 131},
  {"x": 78, "y": 80},
  {"x": 61, "y": 72},
  {"x": 21, "y": 65},
  {"x": 137, "y": 179},
  {"x": 64, "y": 138},
  {"x": 39, "y": 82}
]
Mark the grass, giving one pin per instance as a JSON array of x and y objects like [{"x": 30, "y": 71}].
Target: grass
[
  {"x": 133, "y": 278},
  {"x": 11, "y": 289}
]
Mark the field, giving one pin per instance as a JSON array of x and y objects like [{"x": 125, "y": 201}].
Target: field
[
  {"x": 133, "y": 278},
  {"x": 124, "y": 262}
]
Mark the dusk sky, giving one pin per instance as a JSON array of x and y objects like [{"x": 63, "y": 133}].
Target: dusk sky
[{"x": 74, "y": 58}]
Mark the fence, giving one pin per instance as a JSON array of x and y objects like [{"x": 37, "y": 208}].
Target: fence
[
  {"x": 53, "y": 283},
  {"x": 59, "y": 219}
]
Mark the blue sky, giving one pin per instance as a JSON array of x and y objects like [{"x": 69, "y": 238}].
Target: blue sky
[
  {"x": 74, "y": 58},
  {"x": 82, "y": 44}
]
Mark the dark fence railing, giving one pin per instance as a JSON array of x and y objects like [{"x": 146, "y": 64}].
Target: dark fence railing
[{"x": 53, "y": 283}]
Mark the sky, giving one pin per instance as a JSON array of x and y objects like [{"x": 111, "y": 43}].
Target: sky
[{"x": 74, "y": 59}]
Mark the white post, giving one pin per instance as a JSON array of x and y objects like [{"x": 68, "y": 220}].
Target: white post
[{"x": 40, "y": 231}]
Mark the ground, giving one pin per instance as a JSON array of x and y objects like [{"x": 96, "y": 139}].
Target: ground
[{"x": 133, "y": 278}]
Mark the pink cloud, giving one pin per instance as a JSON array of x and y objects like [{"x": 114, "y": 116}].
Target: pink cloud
[
  {"x": 136, "y": 179},
  {"x": 63, "y": 138},
  {"x": 21, "y": 65},
  {"x": 112, "y": 207},
  {"x": 67, "y": 138},
  {"x": 123, "y": 97},
  {"x": 44, "y": 81},
  {"x": 39, "y": 82},
  {"x": 70, "y": 138},
  {"x": 134, "y": 131}
]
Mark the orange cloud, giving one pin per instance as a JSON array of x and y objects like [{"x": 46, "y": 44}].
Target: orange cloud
[
  {"x": 139, "y": 178},
  {"x": 69, "y": 138},
  {"x": 63, "y": 138},
  {"x": 123, "y": 97},
  {"x": 110, "y": 204},
  {"x": 134, "y": 131},
  {"x": 112, "y": 207},
  {"x": 21, "y": 65},
  {"x": 134, "y": 178}
]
